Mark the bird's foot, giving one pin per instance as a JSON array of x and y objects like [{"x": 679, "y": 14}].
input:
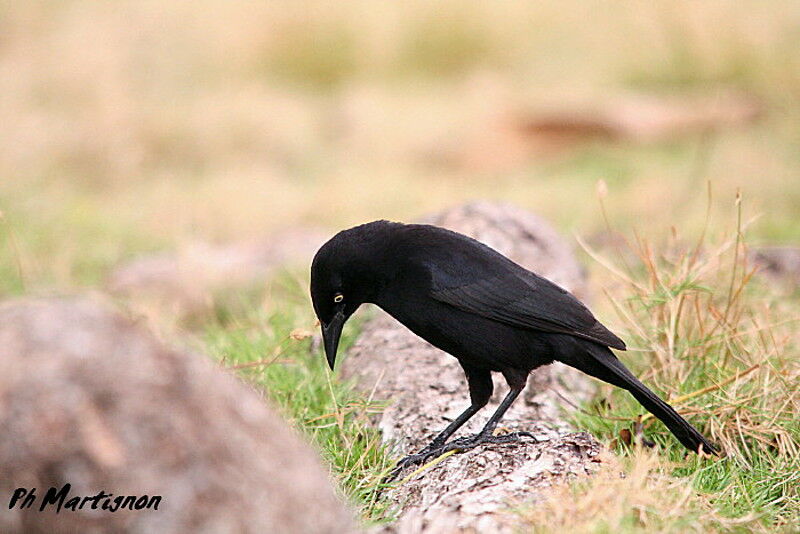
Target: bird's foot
[
  {"x": 461, "y": 444},
  {"x": 431, "y": 451},
  {"x": 470, "y": 442}
]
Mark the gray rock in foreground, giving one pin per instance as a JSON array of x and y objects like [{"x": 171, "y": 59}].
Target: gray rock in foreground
[
  {"x": 91, "y": 399},
  {"x": 426, "y": 389}
]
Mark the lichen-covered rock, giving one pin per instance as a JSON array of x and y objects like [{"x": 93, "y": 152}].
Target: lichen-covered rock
[
  {"x": 91, "y": 399},
  {"x": 427, "y": 389},
  {"x": 477, "y": 491}
]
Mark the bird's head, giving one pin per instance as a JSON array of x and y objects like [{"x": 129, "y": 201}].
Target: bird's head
[{"x": 347, "y": 271}]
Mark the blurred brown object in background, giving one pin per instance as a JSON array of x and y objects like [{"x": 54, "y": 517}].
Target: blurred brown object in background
[
  {"x": 646, "y": 118},
  {"x": 180, "y": 283},
  {"x": 90, "y": 399},
  {"x": 779, "y": 264},
  {"x": 513, "y": 137}
]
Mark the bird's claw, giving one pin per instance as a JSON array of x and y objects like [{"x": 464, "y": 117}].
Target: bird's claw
[
  {"x": 415, "y": 459},
  {"x": 411, "y": 459},
  {"x": 461, "y": 444},
  {"x": 470, "y": 442}
]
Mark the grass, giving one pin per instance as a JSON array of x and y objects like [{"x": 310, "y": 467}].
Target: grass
[
  {"x": 645, "y": 500},
  {"x": 722, "y": 348},
  {"x": 276, "y": 350}
]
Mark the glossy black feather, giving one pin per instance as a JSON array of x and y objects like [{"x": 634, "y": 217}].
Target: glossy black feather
[
  {"x": 512, "y": 295},
  {"x": 475, "y": 278}
]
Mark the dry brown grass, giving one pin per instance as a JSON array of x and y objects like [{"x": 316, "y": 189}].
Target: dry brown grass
[
  {"x": 634, "y": 495},
  {"x": 722, "y": 348},
  {"x": 696, "y": 320}
]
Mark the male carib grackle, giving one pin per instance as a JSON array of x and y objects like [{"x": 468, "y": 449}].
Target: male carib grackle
[{"x": 474, "y": 303}]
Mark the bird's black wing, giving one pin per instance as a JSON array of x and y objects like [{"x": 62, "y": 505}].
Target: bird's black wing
[{"x": 501, "y": 290}]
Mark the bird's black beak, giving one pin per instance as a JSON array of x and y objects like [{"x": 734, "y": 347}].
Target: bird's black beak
[{"x": 331, "y": 333}]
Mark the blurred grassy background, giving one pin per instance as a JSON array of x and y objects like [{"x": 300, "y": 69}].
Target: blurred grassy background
[
  {"x": 131, "y": 126},
  {"x": 135, "y": 126}
]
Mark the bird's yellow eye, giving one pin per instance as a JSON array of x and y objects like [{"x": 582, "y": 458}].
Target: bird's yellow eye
[{"x": 338, "y": 297}]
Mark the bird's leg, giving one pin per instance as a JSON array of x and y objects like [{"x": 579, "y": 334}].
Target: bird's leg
[
  {"x": 470, "y": 442},
  {"x": 438, "y": 442},
  {"x": 480, "y": 390},
  {"x": 441, "y": 437},
  {"x": 486, "y": 434}
]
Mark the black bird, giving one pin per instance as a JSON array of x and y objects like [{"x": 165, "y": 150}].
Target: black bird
[{"x": 474, "y": 303}]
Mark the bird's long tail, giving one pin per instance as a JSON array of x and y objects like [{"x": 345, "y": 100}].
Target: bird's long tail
[{"x": 601, "y": 363}]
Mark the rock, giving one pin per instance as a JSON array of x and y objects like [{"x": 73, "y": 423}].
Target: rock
[
  {"x": 184, "y": 282},
  {"x": 427, "y": 389},
  {"x": 91, "y": 399},
  {"x": 474, "y": 492}
]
